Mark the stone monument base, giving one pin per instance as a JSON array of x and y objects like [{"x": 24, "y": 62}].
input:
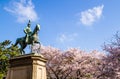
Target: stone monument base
[{"x": 30, "y": 66}]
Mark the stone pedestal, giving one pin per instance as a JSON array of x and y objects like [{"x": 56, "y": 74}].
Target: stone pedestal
[{"x": 29, "y": 66}]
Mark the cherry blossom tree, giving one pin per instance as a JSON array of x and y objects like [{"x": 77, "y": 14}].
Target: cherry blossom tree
[
  {"x": 72, "y": 63},
  {"x": 55, "y": 63},
  {"x": 111, "y": 63}
]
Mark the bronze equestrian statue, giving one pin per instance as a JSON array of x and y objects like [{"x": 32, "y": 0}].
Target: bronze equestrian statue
[{"x": 29, "y": 38}]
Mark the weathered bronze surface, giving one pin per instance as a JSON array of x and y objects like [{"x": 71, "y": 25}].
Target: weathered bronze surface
[{"x": 29, "y": 38}]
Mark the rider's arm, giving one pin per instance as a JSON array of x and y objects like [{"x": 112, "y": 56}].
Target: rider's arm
[{"x": 25, "y": 31}]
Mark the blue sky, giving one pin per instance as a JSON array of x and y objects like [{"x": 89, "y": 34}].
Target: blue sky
[{"x": 84, "y": 24}]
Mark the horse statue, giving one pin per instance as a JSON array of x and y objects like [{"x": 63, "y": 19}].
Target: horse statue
[{"x": 32, "y": 39}]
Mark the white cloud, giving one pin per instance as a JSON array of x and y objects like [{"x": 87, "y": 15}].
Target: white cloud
[
  {"x": 23, "y": 10},
  {"x": 90, "y": 16},
  {"x": 62, "y": 38}
]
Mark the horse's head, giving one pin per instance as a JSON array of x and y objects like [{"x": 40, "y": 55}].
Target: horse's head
[{"x": 38, "y": 27}]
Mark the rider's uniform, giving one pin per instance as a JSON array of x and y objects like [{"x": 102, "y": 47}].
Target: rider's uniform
[{"x": 28, "y": 33}]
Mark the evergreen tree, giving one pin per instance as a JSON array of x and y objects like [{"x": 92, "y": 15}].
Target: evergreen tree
[{"x": 7, "y": 50}]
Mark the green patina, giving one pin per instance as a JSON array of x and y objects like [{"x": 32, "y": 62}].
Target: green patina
[{"x": 29, "y": 38}]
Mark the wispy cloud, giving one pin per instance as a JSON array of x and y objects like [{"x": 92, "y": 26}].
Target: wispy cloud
[
  {"x": 90, "y": 16},
  {"x": 23, "y": 10},
  {"x": 62, "y": 38}
]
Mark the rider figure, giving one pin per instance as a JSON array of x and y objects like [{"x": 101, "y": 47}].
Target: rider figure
[{"x": 28, "y": 32}]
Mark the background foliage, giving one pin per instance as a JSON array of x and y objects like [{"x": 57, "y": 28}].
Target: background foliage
[{"x": 7, "y": 50}]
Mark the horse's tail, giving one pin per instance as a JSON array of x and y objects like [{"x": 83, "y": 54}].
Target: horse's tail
[{"x": 16, "y": 43}]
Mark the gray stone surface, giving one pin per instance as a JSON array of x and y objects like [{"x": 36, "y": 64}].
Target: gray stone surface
[{"x": 30, "y": 66}]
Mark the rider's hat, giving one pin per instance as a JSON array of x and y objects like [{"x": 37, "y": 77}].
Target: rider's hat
[{"x": 29, "y": 22}]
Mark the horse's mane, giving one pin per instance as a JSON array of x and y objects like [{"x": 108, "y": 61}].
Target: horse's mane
[{"x": 35, "y": 29}]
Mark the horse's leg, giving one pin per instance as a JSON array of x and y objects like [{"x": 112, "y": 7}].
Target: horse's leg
[
  {"x": 24, "y": 48},
  {"x": 38, "y": 49},
  {"x": 38, "y": 43},
  {"x": 21, "y": 51},
  {"x": 16, "y": 43}
]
